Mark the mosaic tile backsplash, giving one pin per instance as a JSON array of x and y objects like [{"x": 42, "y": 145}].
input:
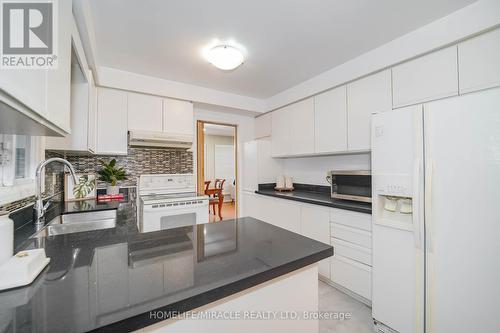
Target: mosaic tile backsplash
[{"x": 138, "y": 161}]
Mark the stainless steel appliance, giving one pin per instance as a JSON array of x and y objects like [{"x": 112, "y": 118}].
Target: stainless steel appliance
[
  {"x": 354, "y": 185},
  {"x": 169, "y": 201}
]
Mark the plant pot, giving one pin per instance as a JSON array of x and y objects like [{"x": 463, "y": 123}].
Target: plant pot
[{"x": 112, "y": 190}]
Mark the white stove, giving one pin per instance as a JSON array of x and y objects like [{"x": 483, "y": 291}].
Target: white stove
[{"x": 169, "y": 201}]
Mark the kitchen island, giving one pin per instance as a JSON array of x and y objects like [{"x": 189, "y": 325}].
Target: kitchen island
[{"x": 241, "y": 273}]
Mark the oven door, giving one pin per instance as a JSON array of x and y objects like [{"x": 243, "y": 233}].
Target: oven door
[{"x": 154, "y": 217}]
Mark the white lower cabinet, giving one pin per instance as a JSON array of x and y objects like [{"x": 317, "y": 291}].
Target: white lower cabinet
[
  {"x": 352, "y": 251},
  {"x": 352, "y": 275},
  {"x": 281, "y": 213},
  {"x": 352, "y": 243},
  {"x": 348, "y": 232},
  {"x": 315, "y": 224},
  {"x": 352, "y": 235}
]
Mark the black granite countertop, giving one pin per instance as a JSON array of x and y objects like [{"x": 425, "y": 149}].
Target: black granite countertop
[
  {"x": 23, "y": 219},
  {"x": 109, "y": 280},
  {"x": 316, "y": 195}
]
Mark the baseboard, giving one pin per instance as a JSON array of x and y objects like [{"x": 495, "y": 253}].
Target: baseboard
[{"x": 346, "y": 291}]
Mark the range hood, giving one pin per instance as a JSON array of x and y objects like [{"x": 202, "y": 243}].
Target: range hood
[{"x": 160, "y": 139}]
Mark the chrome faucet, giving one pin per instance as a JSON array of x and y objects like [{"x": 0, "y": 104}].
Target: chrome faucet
[{"x": 39, "y": 207}]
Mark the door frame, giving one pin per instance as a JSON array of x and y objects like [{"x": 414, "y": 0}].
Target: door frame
[{"x": 200, "y": 157}]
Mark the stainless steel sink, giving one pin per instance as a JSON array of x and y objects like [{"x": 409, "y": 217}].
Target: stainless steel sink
[{"x": 78, "y": 222}]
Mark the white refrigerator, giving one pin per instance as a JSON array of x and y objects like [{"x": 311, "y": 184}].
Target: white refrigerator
[{"x": 436, "y": 216}]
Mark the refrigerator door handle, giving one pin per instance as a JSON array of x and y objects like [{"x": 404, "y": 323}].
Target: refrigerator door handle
[
  {"x": 416, "y": 203},
  {"x": 429, "y": 166}
]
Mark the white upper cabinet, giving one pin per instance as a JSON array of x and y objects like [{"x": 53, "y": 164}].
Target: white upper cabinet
[
  {"x": 427, "y": 78},
  {"x": 330, "y": 121},
  {"x": 281, "y": 132},
  {"x": 79, "y": 109},
  {"x": 479, "y": 62},
  {"x": 144, "y": 112},
  {"x": 178, "y": 117},
  {"x": 263, "y": 126},
  {"x": 92, "y": 132},
  {"x": 302, "y": 127},
  {"x": 58, "y": 80},
  {"x": 111, "y": 122},
  {"x": 364, "y": 97}
]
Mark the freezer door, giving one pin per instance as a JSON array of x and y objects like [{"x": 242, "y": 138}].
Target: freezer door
[
  {"x": 462, "y": 219},
  {"x": 398, "y": 257}
]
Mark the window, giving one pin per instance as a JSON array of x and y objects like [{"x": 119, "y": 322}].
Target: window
[{"x": 17, "y": 158}]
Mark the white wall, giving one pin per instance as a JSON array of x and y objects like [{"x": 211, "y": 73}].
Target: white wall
[
  {"x": 245, "y": 133},
  {"x": 312, "y": 170},
  {"x": 212, "y": 163}
]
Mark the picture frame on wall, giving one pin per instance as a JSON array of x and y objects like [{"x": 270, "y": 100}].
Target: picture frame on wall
[{"x": 86, "y": 189}]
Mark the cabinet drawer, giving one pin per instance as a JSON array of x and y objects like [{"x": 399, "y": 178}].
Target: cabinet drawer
[
  {"x": 352, "y": 219},
  {"x": 324, "y": 267},
  {"x": 352, "y": 251},
  {"x": 352, "y": 235},
  {"x": 352, "y": 275}
]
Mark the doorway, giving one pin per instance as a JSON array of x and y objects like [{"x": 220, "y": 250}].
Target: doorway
[{"x": 217, "y": 168}]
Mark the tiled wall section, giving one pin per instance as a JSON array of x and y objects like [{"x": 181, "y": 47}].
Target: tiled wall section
[{"x": 138, "y": 161}]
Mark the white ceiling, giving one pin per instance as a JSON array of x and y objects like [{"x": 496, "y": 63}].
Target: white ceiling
[{"x": 286, "y": 41}]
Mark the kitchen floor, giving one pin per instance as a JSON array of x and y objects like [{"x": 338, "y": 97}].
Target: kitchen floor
[
  {"x": 332, "y": 300},
  {"x": 228, "y": 212}
]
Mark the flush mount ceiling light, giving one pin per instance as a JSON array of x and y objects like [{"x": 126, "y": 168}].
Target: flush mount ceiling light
[{"x": 224, "y": 57}]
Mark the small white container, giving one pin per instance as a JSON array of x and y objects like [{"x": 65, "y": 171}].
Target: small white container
[
  {"x": 288, "y": 182},
  {"x": 280, "y": 181},
  {"x": 6, "y": 237}
]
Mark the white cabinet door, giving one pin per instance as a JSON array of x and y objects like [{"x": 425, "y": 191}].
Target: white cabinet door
[
  {"x": 352, "y": 275},
  {"x": 479, "y": 62},
  {"x": 281, "y": 131},
  {"x": 364, "y": 97},
  {"x": 249, "y": 204},
  {"x": 302, "y": 126},
  {"x": 27, "y": 86},
  {"x": 279, "y": 212},
  {"x": 92, "y": 130},
  {"x": 330, "y": 121},
  {"x": 58, "y": 80},
  {"x": 144, "y": 112},
  {"x": 427, "y": 78},
  {"x": 178, "y": 116},
  {"x": 267, "y": 167},
  {"x": 249, "y": 166},
  {"x": 79, "y": 110},
  {"x": 315, "y": 224},
  {"x": 263, "y": 126},
  {"x": 111, "y": 121}
]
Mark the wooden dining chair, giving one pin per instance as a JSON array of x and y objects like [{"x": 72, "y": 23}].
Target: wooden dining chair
[
  {"x": 216, "y": 196},
  {"x": 207, "y": 185}
]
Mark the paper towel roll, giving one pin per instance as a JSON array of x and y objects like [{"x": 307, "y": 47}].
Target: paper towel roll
[{"x": 6, "y": 237}]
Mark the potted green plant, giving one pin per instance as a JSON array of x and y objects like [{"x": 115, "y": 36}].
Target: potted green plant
[{"x": 111, "y": 175}]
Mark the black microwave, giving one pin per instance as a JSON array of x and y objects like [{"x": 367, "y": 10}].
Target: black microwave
[{"x": 354, "y": 185}]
